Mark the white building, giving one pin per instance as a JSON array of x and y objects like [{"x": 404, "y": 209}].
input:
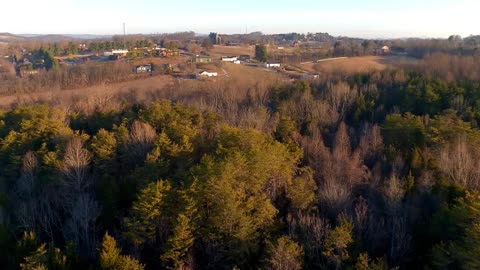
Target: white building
[
  {"x": 229, "y": 59},
  {"x": 270, "y": 65},
  {"x": 207, "y": 74},
  {"x": 116, "y": 52}
]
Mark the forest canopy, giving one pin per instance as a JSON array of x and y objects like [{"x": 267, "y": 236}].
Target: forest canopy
[{"x": 368, "y": 171}]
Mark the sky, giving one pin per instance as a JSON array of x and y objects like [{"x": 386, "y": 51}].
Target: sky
[{"x": 356, "y": 18}]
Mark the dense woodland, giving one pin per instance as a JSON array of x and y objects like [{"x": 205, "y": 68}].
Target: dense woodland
[{"x": 369, "y": 171}]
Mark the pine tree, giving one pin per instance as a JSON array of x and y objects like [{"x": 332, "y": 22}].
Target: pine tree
[
  {"x": 337, "y": 243},
  {"x": 261, "y": 53},
  {"x": 110, "y": 258},
  {"x": 36, "y": 260},
  {"x": 109, "y": 253},
  {"x": 362, "y": 262},
  {"x": 179, "y": 244},
  {"x": 145, "y": 222}
]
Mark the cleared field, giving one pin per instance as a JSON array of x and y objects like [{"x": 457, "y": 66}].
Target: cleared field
[
  {"x": 219, "y": 51},
  {"x": 90, "y": 94},
  {"x": 355, "y": 64},
  {"x": 160, "y": 61},
  {"x": 250, "y": 75}
]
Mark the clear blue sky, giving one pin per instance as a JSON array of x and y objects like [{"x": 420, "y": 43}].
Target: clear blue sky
[{"x": 367, "y": 18}]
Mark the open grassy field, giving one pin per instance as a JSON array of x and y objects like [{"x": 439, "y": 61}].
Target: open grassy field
[
  {"x": 250, "y": 75},
  {"x": 355, "y": 64},
  {"x": 160, "y": 61},
  {"x": 219, "y": 51}
]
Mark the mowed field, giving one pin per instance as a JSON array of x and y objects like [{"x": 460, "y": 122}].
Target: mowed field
[
  {"x": 218, "y": 51},
  {"x": 161, "y": 61},
  {"x": 354, "y": 64}
]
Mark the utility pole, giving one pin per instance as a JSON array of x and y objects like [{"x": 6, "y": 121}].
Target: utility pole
[{"x": 124, "y": 37}]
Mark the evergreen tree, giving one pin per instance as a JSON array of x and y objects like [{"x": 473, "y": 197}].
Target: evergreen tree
[
  {"x": 110, "y": 258},
  {"x": 261, "y": 53},
  {"x": 179, "y": 244},
  {"x": 338, "y": 242},
  {"x": 286, "y": 255},
  {"x": 147, "y": 213}
]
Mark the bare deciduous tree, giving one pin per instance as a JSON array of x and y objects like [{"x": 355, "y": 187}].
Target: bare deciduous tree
[
  {"x": 337, "y": 171},
  {"x": 371, "y": 144},
  {"x": 140, "y": 140},
  {"x": 75, "y": 165},
  {"x": 311, "y": 230},
  {"x": 460, "y": 162},
  {"x": 80, "y": 226},
  {"x": 37, "y": 205},
  {"x": 340, "y": 96}
]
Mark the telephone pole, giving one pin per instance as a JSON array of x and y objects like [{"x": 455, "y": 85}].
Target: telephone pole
[{"x": 124, "y": 37}]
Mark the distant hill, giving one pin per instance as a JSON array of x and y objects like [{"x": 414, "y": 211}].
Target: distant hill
[
  {"x": 472, "y": 40},
  {"x": 7, "y": 37},
  {"x": 57, "y": 37},
  {"x": 50, "y": 38}
]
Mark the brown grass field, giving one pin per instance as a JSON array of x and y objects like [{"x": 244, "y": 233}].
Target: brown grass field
[
  {"x": 91, "y": 94},
  {"x": 355, "y": 64},
  {"x": 218, "y": 51},
  {"x": 160, "y": 61}
]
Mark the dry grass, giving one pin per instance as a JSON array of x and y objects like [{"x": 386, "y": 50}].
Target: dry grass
[
  {"x": 161, "y": 61},
  {"x": 250, "y": 75},
  {"x": 93, "y": 95},
  {"x": 219, "y": 51},
  {"x": 355, "y": 64}
]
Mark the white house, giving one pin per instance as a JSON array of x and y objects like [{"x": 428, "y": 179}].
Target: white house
[
  {"x": 229, "y": 58},
  {"x": 116, "y": 52},
  {"x": 207, "y": 74},
  {"x": 270, "y": 65}
]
